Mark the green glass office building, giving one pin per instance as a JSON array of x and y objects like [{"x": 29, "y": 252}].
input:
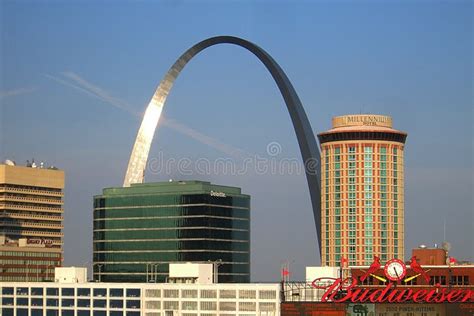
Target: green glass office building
[{"x": 139, "y": 230}]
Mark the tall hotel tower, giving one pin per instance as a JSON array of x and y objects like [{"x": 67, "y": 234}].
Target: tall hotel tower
[
  {"x": 362, "y": 186},
  {"x": 31, "y": 222}
]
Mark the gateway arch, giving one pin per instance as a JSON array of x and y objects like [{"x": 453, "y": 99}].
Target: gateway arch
[{"x": 306, "y": 139}]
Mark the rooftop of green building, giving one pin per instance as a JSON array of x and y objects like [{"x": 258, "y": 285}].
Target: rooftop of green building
[{"x": 173, "y": 187}]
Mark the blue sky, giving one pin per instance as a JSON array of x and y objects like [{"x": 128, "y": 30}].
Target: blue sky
[{"x": 74, "y": 75}]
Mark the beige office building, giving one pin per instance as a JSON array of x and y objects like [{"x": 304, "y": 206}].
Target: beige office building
[
  {"x": 362, "y": 190},
  {"x": 31, "y": 222}
]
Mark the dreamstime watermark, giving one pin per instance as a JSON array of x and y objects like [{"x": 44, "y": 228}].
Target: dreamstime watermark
[{"x": 271, "y": 164}]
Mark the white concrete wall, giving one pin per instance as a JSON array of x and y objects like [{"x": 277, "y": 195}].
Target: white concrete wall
[{"x": 70, "y": 274}]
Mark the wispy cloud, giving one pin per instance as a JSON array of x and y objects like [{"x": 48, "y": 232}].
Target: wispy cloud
[
  {"x": 20, "y": 91},
  {"x": 73, "y": 80}
]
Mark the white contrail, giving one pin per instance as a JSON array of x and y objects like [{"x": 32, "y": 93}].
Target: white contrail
[
  {"x": 80, "y": 84},
  {"x": 204, "y": 139},
  {"x": 10, "y": 93}
]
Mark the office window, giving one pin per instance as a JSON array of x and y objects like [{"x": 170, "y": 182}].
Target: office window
[
  {"x": 7, "y": 291},
  {"x": 66, "y": 302},
  {"x": 36, "y": 302},
  {"x": 7, "y": 311},
  {"x": 67, "y": 292},
  {"x": 83, "y": 292},
  {"x": 100, "y": 292},
  {"x": 83, "y": 303},
  {"x": 116, "y": 292},
  {"x": 22, "y": 301},
  {"x": 37, "y": 291},
  {"x": 52, "y": 302},
  {"x": 100, "y": 303},
  {"x": 52, "y": 291},
  {"x": 133, "y": 292},
  {"x": 116, "y": 304},
  {"x": 22, "y": 291},
  {"x": 133, "y": 304}
]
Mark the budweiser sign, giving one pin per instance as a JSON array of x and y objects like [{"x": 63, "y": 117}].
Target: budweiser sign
[
  {"x": 347, "y": 290},
  {"x": 340, "y": 290}
]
